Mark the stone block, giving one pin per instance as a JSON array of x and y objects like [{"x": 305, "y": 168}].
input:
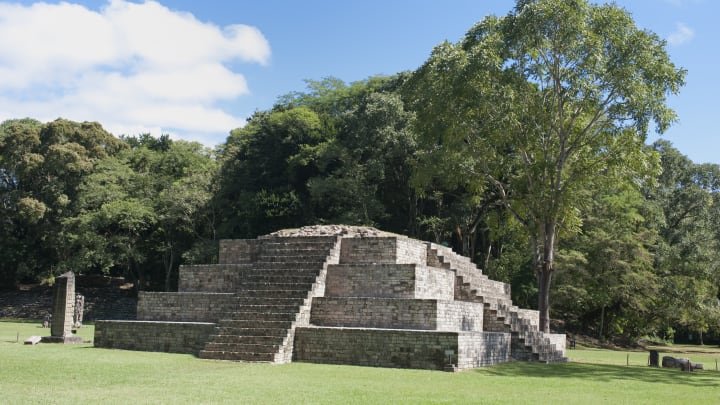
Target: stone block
[{"x": 33, "y": 340}]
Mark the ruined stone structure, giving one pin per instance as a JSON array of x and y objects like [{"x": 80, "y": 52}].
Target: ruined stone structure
[{"x": 337, "y": 295}]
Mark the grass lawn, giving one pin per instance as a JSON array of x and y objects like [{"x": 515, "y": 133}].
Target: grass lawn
[{"x": 82, "y": 374}]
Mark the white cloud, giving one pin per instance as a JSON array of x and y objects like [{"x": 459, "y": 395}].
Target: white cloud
[
  {"x": 130, "y": 66},
  {"x": 681, "y": 35}
]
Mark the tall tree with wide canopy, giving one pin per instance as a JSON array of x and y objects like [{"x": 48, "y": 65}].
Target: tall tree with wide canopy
[{"x": 541, "y": 103}]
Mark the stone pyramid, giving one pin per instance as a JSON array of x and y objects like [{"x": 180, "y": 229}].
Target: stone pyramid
[{"x": 341, "y": 295}]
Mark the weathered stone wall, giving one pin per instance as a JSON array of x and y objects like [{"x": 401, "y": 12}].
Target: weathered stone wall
[
  {"x": 237, "y": 251},
  {"x": 184, "y": 307},
  {"x": 376, "y": 347},
  {"x": 460, "y": 316},
  {"x": 397, "y": 313},
  {"x": 411, "y": 251},
  {"x": 558, "y": 339},
  {"x": 389, "y": 281},
  {"x": 383, "y": 250},
  {"x": 368, "y": 250},
  {"x": 210, "y": 277},
  {"x": 479, "y": 349},
  {"x": 434, "y": 283},
  {"x": 533, "y": 315},
  {"x": 171, "y": 337},
  {"x": 492, "y": 323}
]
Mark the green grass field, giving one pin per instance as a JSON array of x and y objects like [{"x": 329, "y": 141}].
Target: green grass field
[{"x": 82, "y": 374}]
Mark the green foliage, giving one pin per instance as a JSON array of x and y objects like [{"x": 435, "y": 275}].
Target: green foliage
[
  {"x": 140, "y": 211},
  {"x": 41, "y": 169},
  {"x": 541, "y": 104},
  {"x": 605, "y": 278},
  {"x": 337, "y": 154}
]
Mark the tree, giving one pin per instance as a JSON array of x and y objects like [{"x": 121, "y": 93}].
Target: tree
[
  {"x": 141, "y": 211},
  {"x": 260, "y": 190},
  {"x": 41, "y": 168},
  {"x": 113, "y": 220},
  {"x": 364, "y": 170},
  {"x": 685, "y": 204},
  {"x": 541, "y": 103},
  {"x": 605, "y": 278},
  {"x": 185, "y": 183},
  {"x": 338, "y": 153}
]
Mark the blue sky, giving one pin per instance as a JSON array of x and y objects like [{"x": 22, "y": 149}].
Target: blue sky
[{"x": 197, "y": 69}]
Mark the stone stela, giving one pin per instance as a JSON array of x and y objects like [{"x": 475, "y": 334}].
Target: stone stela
[
  {"x": 63, "y": 311},
  {"x": 340, "y": 295}
]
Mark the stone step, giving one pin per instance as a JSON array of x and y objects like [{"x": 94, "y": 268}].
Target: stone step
[
  {"x": 294, "y": 251},
  {"x": 521, "y": 328},
  {"x": 304, "y": 259},
  {"x": 268, "y": 277},
  {"x": 329, "y": 239},
  {"x": 266, "y": 308},
  {"x": 255, "y": 324},
  {"x": 260, "y": 315},
  {"x": 295, "y": 266},
  {"x": 244, "y": 301},
  {"x": 324, "y": 245},
  {"x": 554, "y": 358},
  {"x": 273, "y": 293},
  {"x": 259, "y": 285},
  {"x": 534, "y": 343},
  {"x": 236, "y": 356},
  {"x": 280, "y": 332},
  {"x": 247, "y": 339},
  {"x": 242, "y": 347}
]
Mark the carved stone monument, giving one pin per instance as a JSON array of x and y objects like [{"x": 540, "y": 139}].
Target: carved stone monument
[
  {"x": 79, "y": 311},
  {"x": 63, "y": 311}
]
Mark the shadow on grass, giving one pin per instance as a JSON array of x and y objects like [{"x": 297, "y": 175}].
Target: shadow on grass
[
  {"x": 606, "y": 373},
  {"x": 22, "y": 320}
]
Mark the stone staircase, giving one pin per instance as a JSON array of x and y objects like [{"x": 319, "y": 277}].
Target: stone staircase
[
  {"x": 274, "y": 294},
  {"x": 500, "y": 315}
]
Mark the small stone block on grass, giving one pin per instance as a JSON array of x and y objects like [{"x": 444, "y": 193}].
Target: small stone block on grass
[{"x": 32, "y": 340}]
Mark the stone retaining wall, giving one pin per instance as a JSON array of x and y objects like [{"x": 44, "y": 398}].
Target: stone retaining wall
[
  {"x": 383, "y": 250},
  {"x": 375, "y": 347},
  {"x": 389, "y": 281},
  {"x": 100, "y": 303},
  {"x": 479, "y": 349},
  {"x": 558, "y": 339},
  {"x": 433, "y": 350},
  {"x": 217, "y": 278},
  {"x": 184, "y": 307},
  {"x": 171, "y": 337},
  {"x": 531, "y": 314},
  {"x": 397, "y": 314}
]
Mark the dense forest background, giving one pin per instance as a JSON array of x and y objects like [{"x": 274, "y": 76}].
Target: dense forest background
[{"x": 638, "y": 256}]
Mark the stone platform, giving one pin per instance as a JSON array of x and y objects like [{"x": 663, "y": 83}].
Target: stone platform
[{"x": 338, "y": 295}]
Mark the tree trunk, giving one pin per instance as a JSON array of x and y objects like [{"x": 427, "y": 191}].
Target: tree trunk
[
  {"x": 544, "y": 270},
  {"x": 544, "y": 277},
  {"x": 488, "y": 252},
  {"x": 602, "y": 322},
  {"x": 168, "y": 268}
]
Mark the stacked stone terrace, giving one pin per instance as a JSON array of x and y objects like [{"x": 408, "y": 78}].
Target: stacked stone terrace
[{"x": 338, "y": 295}]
